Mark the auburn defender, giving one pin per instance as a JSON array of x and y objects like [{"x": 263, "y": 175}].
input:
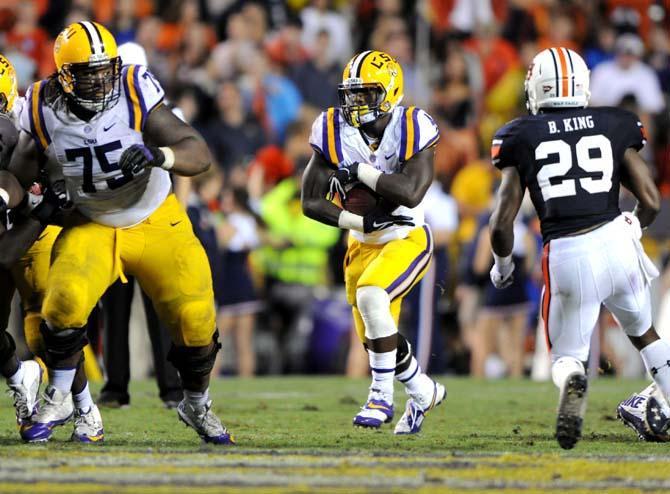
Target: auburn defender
[
  {"x": 573, "y": 159},
  {"x": 106, "y": 130},
  {"x": 371, "y": 141}
]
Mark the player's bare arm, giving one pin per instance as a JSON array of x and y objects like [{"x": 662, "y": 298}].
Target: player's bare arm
[
  {"x": 508, "y": 202},
  {"x": 638, "y": 180},
  {"x": 501, "y": 227},
  {"x": 15, "y": 242},
  {"x": 170, "y": 144},
  {"x": 315, "y": 204},
  {"x": 314, "y": 190},
  {"x": 25, "y": 162},
  {"x": 11, "y": 192}
]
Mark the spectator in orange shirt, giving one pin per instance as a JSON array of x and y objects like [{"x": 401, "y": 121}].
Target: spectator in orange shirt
[
  {"x": 496, "y": 55},
  {"x": 30, "y": 39},
  {"x": 173, "y": 33}
]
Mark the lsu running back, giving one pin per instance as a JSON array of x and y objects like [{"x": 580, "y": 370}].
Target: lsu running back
[
  {"x": 104, "y": 128},
  {"x": 573, "y": 160},
  {"x": 373, "y": 140}
]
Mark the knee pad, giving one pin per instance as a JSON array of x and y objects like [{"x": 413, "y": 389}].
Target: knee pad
[
  {"x": 195, "y": 361},
  {"x": 65, "y": 307},
  {"x": 374, "y": 304},
  {"x": 7, "y": 346},
  {"x": 562, "y": 367},
  {"x": 403, "y": 356},
  {"x": 62, "y": 343}
]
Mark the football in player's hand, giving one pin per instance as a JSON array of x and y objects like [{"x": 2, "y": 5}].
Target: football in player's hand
[{"x": 361, "y": 199}]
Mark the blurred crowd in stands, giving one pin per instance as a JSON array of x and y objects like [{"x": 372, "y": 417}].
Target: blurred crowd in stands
[{"x": 253, "y": 75}]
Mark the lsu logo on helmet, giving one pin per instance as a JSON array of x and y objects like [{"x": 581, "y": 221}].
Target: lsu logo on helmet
[
  {"x": 89, "y": 68},
  {"x": 372, "y": 86},
  {"x": 557, "y": 78},
  {"x": 8, "y": 85}
]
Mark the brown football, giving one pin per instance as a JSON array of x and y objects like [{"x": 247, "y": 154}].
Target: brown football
[{"x": 361, "y": 199}]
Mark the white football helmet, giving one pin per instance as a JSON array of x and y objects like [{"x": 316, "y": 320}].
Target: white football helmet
[{"x": 557, "y": 78}]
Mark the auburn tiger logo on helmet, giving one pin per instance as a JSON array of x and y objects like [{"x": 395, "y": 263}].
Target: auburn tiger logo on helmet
[
  {"x": 8, "y": 85},
  {"x": 371, "y": 87},
  {"x": 557, "y": 78},
  {"x": 88, "y": 64}
]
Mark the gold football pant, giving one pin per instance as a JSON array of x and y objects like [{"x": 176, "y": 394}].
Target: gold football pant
[
  {"x": 395, "y": 266},
  {"x": 162, "y": 253}
]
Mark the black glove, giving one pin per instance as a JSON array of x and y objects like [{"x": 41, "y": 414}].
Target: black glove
[
  {"x": 376, "y": 221},
  {"x": 138, "y": 156},
  {"x": 54, "y": 199},
  {"x": 340, "y": 178}
]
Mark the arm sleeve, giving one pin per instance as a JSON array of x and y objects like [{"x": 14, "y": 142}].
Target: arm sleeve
[
  {"x": 630, "y": 132},
  {"x": 503, "y": 146}
]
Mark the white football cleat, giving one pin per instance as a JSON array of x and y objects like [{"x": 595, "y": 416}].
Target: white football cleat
[
  {"x": 417, "y": 407},
  {"x": 26, "y": 393},
  {"x": 56, "y": 409},
  {"x": 88, "y": 426},
  {"x": 205, "y": 422},
  {"x": 648, "y": 414},
  {"x": 378, "y": 410}
]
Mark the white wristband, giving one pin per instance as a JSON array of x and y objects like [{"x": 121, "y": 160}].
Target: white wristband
[
  {"x": 350, "y": 221},
  {"x": 5, "y": 195},
  {"x": 502, "y": 261},
  {"x": 169, "y": 158},
  {"x": 369, "y": 175}
]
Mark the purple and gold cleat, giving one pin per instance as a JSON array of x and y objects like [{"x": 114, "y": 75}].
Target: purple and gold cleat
[
  {"x": 56, "y": 409},
  {"x": 205, "y": 422},
  {"x": 378, "y": 410},
  {"x": 88, "y": 426}
]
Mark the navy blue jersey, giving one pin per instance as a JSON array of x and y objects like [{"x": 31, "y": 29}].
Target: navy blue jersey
[{"x": 570, "y": 161}]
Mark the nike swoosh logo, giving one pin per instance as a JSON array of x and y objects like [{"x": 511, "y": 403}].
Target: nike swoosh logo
[
  {"x": 175, "y": 223},
  {"x": 377, "y": 225},
  {"x": 376, "y": 407},
  {"x": 107, "y": 128},
  {"x": 389, "y": 156}
]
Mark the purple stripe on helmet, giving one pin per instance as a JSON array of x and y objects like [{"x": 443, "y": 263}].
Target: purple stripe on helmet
[
  {"x": 417, "y": 132},
  {"x": 138, "y": 90},
  {"x": 324, "y": 137},
  {"x": 426, "y": 253},
  {"x": 129, "y": 103},
  {"x": 338, "y": 142},
  {"x": 403, "y": 137}
]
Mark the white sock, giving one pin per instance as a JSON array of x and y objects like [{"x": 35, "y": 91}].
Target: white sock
[
  {"x": 383, "y": 370},
  {"x": 197, "y": 398},
  {"x": 563, "y": 367},
  {"x": 16, "y": 378},
  {"x": 656, "y": 358},
  {"x": 83, "y": 401},
  {"x": 61, "y": 379},
  {"x": 414, "y": 379}
]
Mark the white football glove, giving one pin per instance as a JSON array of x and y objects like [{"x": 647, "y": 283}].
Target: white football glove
[
  {"x": 501, "y": 272},
  {"x": 632, "y": 220}
]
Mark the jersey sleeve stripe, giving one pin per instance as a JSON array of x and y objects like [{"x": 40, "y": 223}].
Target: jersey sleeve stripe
[
  {"x": 143, "y": 106},
  {"x": 432, "y": 141},
  {"x": 37, "y": 118},
  {"x": 417, "y": 130},
  {"x": 338, "y": 140},
  {"x": 324, "y": 137},
  {"x": 330, "y": 124},
  {"x": 403, "y": 138},
  {"x": 409, "y": 123},
  {"x": 129, "y": 103},
  {"x": 134, "y": 109}
]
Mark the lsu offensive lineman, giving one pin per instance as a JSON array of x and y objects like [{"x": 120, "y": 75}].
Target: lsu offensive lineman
[
  {"x": 106, "y": 130},
  {"x": 573, "y": 160},
  {"x": 389, "y": 148}
]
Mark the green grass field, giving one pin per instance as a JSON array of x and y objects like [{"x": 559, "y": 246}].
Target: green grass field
[{"x": 294, "y": 435}]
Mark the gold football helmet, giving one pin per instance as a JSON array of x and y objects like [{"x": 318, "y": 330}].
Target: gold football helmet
[
  {"x": 89, "y": 68},
  {"x": 8, "y": 85},
  {"x": 371, "y": 87}
]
